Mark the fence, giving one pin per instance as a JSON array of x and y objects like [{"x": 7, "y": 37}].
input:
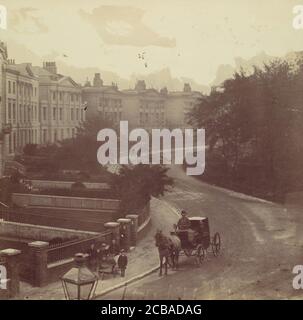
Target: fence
[{"x": 64, "y": 251}]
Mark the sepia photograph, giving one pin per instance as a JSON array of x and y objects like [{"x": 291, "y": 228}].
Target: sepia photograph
[{"x": 151, "y": 150}]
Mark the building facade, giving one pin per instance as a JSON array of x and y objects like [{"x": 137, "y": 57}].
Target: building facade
[
  {"x": 61, "y": 108},
  {"x": 3, "y": 60},
  {"x": 141, "y": 107},
  {"x": 38, "y": 105},
  {"x": 22, "y": 107}
]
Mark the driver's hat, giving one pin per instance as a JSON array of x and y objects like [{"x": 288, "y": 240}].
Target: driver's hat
[{"x": 183, "y": 212}]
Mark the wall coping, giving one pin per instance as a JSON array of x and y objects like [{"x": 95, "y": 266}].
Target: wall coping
[
  {"x": 51, "y": 196},
  {"x": 36, "y": 226}
]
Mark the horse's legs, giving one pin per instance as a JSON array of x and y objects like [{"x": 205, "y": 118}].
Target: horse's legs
[
  {"x": 161, "y": 262},
  {"x": 177, "y": 260},
  {"x": 165, "y": 265},
  {"x": 173, "y": 260}
]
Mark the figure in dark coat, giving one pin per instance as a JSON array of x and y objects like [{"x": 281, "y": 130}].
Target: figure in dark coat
[{"x": 122, "y": 262}]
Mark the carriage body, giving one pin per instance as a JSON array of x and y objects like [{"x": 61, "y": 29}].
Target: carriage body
[{"x": 197, "y": 240}]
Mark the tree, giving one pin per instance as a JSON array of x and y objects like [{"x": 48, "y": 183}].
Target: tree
[
  {"x": 250, "y": 120},
  {"x": 80, "y": 151},
  {"x": 136, "y": 184}
]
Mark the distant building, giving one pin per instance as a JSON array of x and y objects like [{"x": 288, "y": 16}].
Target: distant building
[
  {"x": 101, "y": 98},
  {"x": 39, "y": 105},
  {"x": 61, "y": 108},
  {"x": 141, "y": 107},
  {"x": 3, "y": 58}
]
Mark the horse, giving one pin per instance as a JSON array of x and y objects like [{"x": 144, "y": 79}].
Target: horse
[{"x": 169, "y": 248}]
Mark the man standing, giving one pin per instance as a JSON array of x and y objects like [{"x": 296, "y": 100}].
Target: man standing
[{"x": 122, "y": 262}]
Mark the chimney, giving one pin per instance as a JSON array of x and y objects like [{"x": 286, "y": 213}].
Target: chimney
[
  {"x": 187, "y": 87},
  {"x": 164, "y": 91},
  {"x": 140, "y": 85},
  {"x": 11, "y": 61},
  {"x": 98, "y": 82},
  {"x": 50, "y": 66}
]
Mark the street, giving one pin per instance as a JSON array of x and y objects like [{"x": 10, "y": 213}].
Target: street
[{"x": 261, "y": 243}]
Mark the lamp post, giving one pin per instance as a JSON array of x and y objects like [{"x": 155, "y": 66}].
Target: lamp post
[{"x": 79, "y": 283}]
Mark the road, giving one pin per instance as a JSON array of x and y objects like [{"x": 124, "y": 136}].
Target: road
[{"x": 262, "y": 242}]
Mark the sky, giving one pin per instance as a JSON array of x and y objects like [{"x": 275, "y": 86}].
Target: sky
[{"x": 190, "y": 37}]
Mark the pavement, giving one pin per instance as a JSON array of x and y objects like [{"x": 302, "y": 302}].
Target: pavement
[{"x": 143, "y": 260}]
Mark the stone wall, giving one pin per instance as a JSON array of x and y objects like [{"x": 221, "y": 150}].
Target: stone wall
[
  {"x": 46, "y": 184},
  {"x": 25, "y": 200},
  {"x": 38, "y": 232}
]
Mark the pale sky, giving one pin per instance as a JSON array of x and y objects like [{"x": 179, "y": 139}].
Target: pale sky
[{"x": 190, "y": 37}]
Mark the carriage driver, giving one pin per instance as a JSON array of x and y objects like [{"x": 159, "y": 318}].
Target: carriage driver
[
  {"x": 184, "y": 222},
  {"x": 185, "y": 225}
]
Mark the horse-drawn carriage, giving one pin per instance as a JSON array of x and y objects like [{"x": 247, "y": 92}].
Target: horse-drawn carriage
[
  {"x": 192, "y": 242},
  {"x": 196, "y": 241}
]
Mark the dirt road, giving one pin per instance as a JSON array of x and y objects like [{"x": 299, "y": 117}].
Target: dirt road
[{"x": 262, "y": 242}]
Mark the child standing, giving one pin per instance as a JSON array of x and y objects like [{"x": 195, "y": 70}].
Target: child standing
[{"x": 122, "y": 262}]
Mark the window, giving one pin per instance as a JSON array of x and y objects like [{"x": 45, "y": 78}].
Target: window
[
  {"x": 9, "y": 87},
  {"x": 44, "y": 135},
  {"x": 72, "y": 97},
  {"x": 54, "y": 113},
  {"x": 28, "y": 113},
  {"x": 14, "y": 87},
  {"x": 10, "y": 143},
  {"x": 9, "y": 111},
  {"x": 61, "y": 96},
  {"x": 54, "y": 95},
  {"x": 77, "y": 114},
  {"x": 14, "y": 112},
  {"x": 72, "y": 114},
  {"x": 14, "y": 142},
  {"x": 35, "y": 92},
  {"x": 60, "y": 114},
  {"x": 44, "y": 113}
]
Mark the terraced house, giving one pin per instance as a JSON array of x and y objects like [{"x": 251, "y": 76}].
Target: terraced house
[
  {"x": 61, "y": 109},
  {"x": 142, "y": 107}
]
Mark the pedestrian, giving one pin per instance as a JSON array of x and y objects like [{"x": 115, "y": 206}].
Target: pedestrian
[
  {"x": 122, "y": 262},
  {"x": 103, "y": 254},
  {"x": 92, "y": 256}
]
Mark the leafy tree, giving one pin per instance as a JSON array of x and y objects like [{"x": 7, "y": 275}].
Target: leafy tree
[
  {"x": 251, "y": 120},
  {"x": 136, "y": 184}
]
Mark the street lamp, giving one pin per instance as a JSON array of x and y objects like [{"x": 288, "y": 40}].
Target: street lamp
[{"x": 79, "y": 283}]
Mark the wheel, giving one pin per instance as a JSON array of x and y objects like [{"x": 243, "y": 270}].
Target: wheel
[
  {"x": 188, "y": 252},
  {"x": 216, "y": 244},
  {"x": 200, "y": 254}
]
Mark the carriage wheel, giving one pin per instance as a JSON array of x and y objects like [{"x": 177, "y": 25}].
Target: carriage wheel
[
  {"x": 200, "y": 254},
  {"x": 216, "y": 244},
  {"x": 188, "y": 252}
]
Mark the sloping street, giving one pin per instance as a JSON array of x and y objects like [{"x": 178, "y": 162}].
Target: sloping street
[{"x": 261, "y": 243}]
